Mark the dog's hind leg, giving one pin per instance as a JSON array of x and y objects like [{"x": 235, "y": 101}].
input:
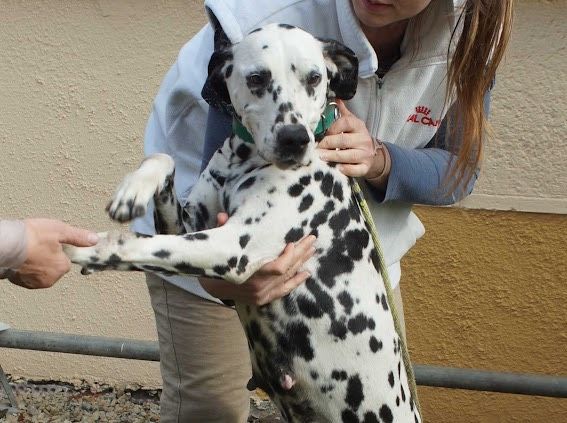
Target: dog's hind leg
[{"x": 153, "y": 179}]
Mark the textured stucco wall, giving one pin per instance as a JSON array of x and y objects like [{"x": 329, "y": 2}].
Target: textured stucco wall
[
  {"x": 77, "y": 80},
  {"x": 525, "y": 167},
  {"x": 482, "y": 289},
  {"x": 487, "y": 289}
]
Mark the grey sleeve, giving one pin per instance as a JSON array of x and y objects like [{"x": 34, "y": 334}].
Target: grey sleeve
[
  {"x": 13, "y": 244},
  {"x": 219, "y": 128}
]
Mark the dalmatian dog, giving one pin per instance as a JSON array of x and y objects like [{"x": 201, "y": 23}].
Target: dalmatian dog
[{"x": 328, "y": 351}]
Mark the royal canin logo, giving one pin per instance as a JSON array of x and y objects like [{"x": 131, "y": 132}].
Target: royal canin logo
[{"x": 422, "y": 117}]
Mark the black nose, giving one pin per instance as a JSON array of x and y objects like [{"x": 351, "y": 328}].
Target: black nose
[{"x": 292, "y": 141}]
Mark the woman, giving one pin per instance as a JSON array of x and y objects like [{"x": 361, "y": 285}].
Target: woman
[{"x": 427, "y": 117}]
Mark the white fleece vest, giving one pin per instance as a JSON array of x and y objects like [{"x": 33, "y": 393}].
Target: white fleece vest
[{"x": 404, "y": 108}]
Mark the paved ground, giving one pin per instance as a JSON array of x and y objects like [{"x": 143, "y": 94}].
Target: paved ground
[{"x": 57, "y": 402}]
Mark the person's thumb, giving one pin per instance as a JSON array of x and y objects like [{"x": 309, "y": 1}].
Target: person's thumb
[
  {"x": 76, "y": 236},
  {"x": 343, "y": 108}
]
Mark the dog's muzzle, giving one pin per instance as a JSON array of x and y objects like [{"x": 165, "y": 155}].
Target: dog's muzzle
[{"x": 291, "y": 144}]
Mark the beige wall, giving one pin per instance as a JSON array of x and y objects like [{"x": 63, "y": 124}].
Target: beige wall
[{"x": 482, "y": 289}]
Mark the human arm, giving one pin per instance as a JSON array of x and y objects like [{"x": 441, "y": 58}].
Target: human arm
[
  {"x": 40, "y": 260},
  {"x": 410, "y": 175}
]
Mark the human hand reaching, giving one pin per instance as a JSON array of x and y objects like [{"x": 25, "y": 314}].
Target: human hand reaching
[
  {"x": 45, "y": 261},
  {"x": 348, "y": 143}
]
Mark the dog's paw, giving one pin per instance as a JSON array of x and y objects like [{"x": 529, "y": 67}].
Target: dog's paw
[
  {"x": 108, "y": 253},
  {"x": 137, "y": 189}
]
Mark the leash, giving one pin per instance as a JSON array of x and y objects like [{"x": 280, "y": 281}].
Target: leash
[{"x": 380, "y": 265}]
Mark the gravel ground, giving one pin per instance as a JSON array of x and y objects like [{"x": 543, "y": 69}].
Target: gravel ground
[{"x": 59, "y": 402}]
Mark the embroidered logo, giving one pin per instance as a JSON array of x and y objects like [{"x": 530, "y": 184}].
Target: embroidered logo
[{"x": 422, "y": 117}]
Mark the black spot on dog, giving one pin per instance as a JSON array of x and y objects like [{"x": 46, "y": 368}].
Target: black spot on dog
[
  {"x": 338, "y": 191},
  {"x": 349, "y": 416},
  {"x": 354, "y": 211},
  {"x": 370, "y": 417},
  {"x": 338, "y": 329},
  {"x": 386, "y": 414},
  {"x": 264, "y": 47},
  {"x": 339, "y": 375},
  {"x": 242, "y": 263},
  {"x": 360, "y": 323},
  {"x": 323, "y": 300},
  {"x": 314, "y": 375},
  {"x": 162, "y": 254},
  {"x": 199, "y": 236},
  {"x": 114, "y": 259},
  {"x": 306, "y": 202},
  {"x": 232, "y": 262},
  {"x": 333, "y": 264},
  {"x": 295, "y": 190},
  {"x": 294, "y": 235},
  {"x": 384, "y": 302},
  {"x": 243, "y": 241},
  {"x": 325, "y": 389},
  {"x": 354, "y": 393},
  {"x": 305, "y": 180},
  {"x": 285, "y": 107},
  {"x": 318, "y": 175},
  {"x": 356, "y": 241},
  {"x": 255, "y": 30},
  {"x": 289, "y": 304},
  {"x": 345, "y": 300},
  {"x": 189, "y": 269},
  {"x": 391, "y": 379},
  {"x": 339, "y": 222},
  {"x": 327, "y": 185},
  {"x": 221, "y": 270},
  {"x": 243, "y": 152},
  {"x": 309, "y": 308},
  {"x": 247, "y": 183},
  {"x": 286, "y": 26},
  {"x": 375, "y": 345},
  {"x": 296, "y": 341}
]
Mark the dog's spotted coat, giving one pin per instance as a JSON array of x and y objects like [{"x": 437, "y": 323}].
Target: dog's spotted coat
[{"x": 327, "y": 352}]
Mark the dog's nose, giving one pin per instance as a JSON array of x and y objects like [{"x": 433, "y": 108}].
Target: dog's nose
[{"x": 292, "y": 140}]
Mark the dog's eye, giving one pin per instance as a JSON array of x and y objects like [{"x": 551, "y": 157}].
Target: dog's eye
[
  {"x": 258, "y": 79},
  {"x": 313, "y": 79}
]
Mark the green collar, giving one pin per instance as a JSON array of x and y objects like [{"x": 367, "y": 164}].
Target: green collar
[{"x": 327, "y": 118}]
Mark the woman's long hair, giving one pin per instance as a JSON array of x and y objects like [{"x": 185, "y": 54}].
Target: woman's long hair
[{"x": 472, "y": 67}]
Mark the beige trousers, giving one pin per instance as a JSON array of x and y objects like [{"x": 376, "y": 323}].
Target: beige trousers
[{"x": 204, "y": 357}]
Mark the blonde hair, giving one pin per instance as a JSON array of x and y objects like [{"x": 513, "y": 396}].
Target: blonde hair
[{"x": 472, "y": 67}]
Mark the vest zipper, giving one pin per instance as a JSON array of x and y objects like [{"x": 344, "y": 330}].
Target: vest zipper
[{"x": 377, "y": 105}]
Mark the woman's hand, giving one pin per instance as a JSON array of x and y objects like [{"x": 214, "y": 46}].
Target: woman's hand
[
  {"x": 349, "y": 144},
  {"x": 45, "y": 261},
  {"x": 274, "y": 280}
]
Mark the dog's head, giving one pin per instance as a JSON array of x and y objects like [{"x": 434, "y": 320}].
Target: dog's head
[{"x": 277, "y": 82}]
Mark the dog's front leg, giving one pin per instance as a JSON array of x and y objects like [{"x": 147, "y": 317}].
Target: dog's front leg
[{"x": 218, "y": 253}]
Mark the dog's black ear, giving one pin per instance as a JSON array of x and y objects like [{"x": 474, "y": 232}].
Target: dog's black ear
[
  {"x": 215, "y": 92},
  {"x": 342, "y": 69}
]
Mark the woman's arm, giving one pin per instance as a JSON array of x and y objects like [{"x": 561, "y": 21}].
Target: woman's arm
[{"x": 418, "y": 175}]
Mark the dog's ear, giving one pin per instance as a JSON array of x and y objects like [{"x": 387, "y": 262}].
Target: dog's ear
[
  {"x": 342, "y": 69},
  {"x": 215, "y": 91}
]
